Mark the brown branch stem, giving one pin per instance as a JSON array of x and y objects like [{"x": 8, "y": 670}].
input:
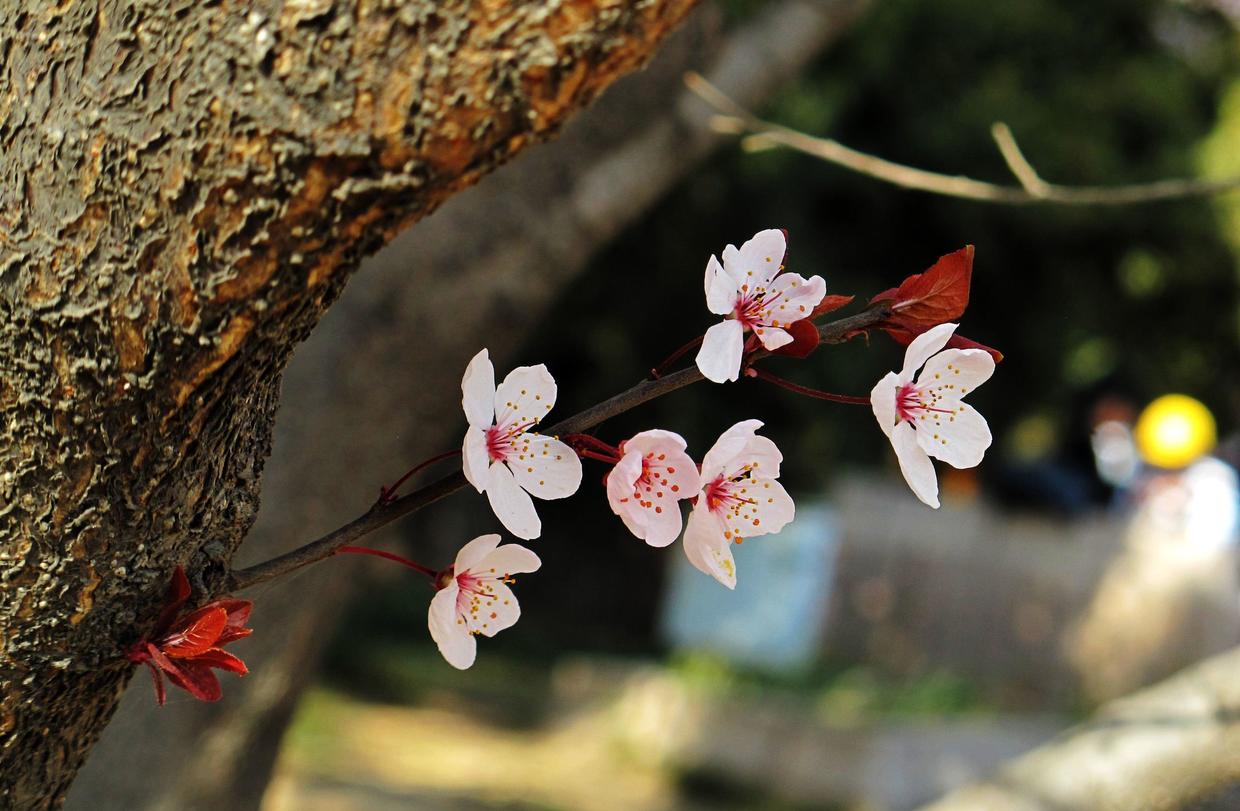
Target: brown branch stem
[
  {"x": 381, "y": 514},
  {"x": 760, "y": 134}
]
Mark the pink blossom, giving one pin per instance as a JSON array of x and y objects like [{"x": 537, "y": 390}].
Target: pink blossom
[
  {"x": 739, "y": 498},
  {"x": 474, "y": 597},
  {"x": 501, "y": 457},
  {"x": 646, "y": 485},
  {"x": 749, "y": 289},
  {"x": 927, "y": 418}
]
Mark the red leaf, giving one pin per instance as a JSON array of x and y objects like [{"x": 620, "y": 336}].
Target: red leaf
[
  {"x": 197, "y": 680},
  {"x": 904, "y": 338},
  {"x": 238, "y": 612},
  {"x": 830, "y": 304},
  {"x": 804, "y": 340},
  {"x": 160, "y": 695},
  {"x": 223, "y": 660},
  {"x": 928, "y": 299},
  {"x": 195, "y": 633}
]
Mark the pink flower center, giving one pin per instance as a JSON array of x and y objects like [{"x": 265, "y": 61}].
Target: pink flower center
[
  {"x": 501, "y": 440},
  {"x": 912, "y": 402},
  {"x": 653, "y": 482},
  {"x": 753, "y": 309},
  {"x": 723, "y": 494}
]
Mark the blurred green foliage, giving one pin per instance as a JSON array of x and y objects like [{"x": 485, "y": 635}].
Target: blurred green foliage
[{"x": 840, "y": 692}]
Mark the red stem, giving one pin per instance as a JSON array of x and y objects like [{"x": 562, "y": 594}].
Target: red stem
[
  {"x": 601, "y": 457},
  {"x": 658, "y": 371},
  {"x": 388, "y": 494},
  {"x": 366, "y": 550},
  {"x": 808, "y": 392}
]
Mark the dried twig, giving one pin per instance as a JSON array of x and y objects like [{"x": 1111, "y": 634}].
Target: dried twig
[{"x": 735, "y": 119}]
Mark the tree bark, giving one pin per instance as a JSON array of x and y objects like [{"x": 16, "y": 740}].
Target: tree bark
[
  {"x": 185, "y": 187},
  {"x": 348, "y": 399},
  {"x": 1161, "y": 749}
]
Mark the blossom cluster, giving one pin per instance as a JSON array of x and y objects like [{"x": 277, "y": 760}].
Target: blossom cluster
[{"x": 733, "y": 492}]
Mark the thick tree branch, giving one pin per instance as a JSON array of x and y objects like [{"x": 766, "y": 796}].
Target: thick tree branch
[
  {"x": 184, "y": 188},
  {"x": 764, "y": 135},
  {"x": 1159, "y": 749},
  {"x": 382, "y": 514}
]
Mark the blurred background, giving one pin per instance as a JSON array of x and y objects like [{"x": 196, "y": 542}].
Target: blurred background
[{"x": 876, "y": 653}]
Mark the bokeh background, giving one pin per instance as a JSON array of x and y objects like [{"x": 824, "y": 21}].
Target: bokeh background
[{"x": 877, "y": 653}]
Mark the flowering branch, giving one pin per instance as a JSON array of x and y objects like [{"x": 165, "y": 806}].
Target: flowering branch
[
  {"x": 761, "y": 135},
  {"x": 384, "y": 513}
]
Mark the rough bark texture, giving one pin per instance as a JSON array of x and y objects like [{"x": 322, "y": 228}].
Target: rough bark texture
[
  {"x": 1161, "y": 749},
  {"x": 184, "y": 188},
  {"x": 364, "y": 395}
]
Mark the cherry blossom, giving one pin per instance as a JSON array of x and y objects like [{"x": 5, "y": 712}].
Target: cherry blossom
[
  {"x": 474, "y": 597},
  {"x": 739, "y": 498},
  {"x": 926, "y": 418},
  {"x": 501, "y": 457},
  {"x": 749, "y": 288},
  {"x": 645, "y": 486}
]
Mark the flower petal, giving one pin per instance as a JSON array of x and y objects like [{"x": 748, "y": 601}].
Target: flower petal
[
  {"x": 923, "y": 346},
  {"x": 770, "y": 511},
  {"x": 512, "y": 506},
  {"x": 545, "y": 467},
  {"x": 953, "y": 373},
  {"x": 525, "y": 396},
  {"x": 883, "y": 401},
  {"x": 792, "y": 297},
  {"x": 509, "y": 559},
  {"x": 727, "y": 448},
  {"x": 916, "y": 466},
  {"x": 478, "y": 391},
  {"x": 497, "y": 611},
  {"x": 719, "y": 358},
  {"x": 721, "y": 289},
  {"x": 655, "y": 440},
  {"x": 707, "y": 549},
  {"x": 449, "y": 630},
  {"x": 759, "y": 455},
  {"x": 772, "y": 337},
  {"x": 759, "y": 259},
  {"x": 960, "y": 439},
  {"x": 475, "y": 461},
  {"x": 472, "y": 553}
]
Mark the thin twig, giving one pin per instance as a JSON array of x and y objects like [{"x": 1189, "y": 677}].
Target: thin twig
[
  {"x": 734, "y": 119},
  {"x": 380, "y": 515},
  {"x": 1016, "y": 161},
  {"x": 807, "y": 391}
]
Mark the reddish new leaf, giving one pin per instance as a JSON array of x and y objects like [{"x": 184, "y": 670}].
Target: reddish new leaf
[
  {"x": 223, "y": 660},
  {"x": 804, "y": 340},
  {"x": 928, "y": 299},
  {"x": 238, "y": 616},
  {"x": 187, "y": 647},
  {"x": 904, "y": 338},
  {"x": 160, "y": 695},
  {"x": 196, "y": 633},
  {"x": 197, "y": 679},
  {"x": 830, "y": 304}
]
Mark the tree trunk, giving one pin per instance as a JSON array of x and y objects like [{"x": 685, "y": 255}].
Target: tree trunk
[
  {"x": 349, "y": 403},
  {"x": 184, "y": 188}
]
